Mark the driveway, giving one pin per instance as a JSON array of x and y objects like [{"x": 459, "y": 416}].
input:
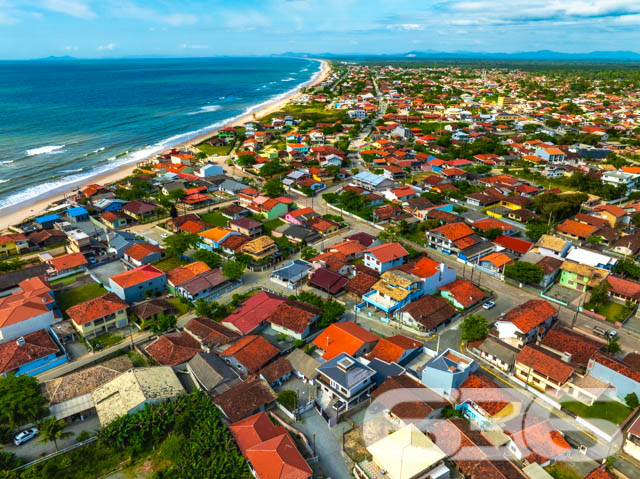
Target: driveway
[
  {"x": 104, "y": 272},
  {"x": 33, "y": 449}
]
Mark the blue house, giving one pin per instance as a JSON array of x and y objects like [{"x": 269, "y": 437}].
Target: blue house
[
  {"x": 136, "y": 284},
  {"x": 47, "y": 221},
  {"x": 78, "y": 214},
  {"x": 108, "y": 205},
  {"x": 31, "y": 354},
  {"x": 621, "y": 378},
  {"x": 393, "y": 291},
  {"x": 447, "y": 371}
]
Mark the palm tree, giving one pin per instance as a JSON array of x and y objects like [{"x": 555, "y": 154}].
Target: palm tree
[{"x": 52, "y": 429}]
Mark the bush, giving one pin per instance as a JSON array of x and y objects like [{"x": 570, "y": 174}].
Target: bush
[
  {"x": 288, "y": 398},
  {"x": 83, "y": 436}
]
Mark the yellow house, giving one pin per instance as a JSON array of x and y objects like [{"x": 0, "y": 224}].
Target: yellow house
[
  {"x": 260, "y": 248},
  {"x": 542, "y": 370},
  {"x": 99, "y": 315},
  {"x": 515, "y": 202},
  {"x": 13, "y": 244}
]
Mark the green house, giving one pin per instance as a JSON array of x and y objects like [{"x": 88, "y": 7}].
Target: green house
[{"x": 580, "y": 276}]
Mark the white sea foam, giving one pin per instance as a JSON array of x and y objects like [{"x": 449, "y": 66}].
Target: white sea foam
[
  {"x": 3, "y": 181},
  {"x": 73, "y": 171},
  {"x": 44, "y": 150},
  {"x": 64, "y": 184},
  {"x": 99, "y": 150},
  {"x": 289, "y": 79},
  {"x": 6, "y": 162},
  {"x": 206, "y": 109}
]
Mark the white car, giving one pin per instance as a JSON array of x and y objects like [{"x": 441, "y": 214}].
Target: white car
[
  {"x": 164, "y": 235},
  {"x": 25, "y": 435},
  {"x": 488, "y": 305}
]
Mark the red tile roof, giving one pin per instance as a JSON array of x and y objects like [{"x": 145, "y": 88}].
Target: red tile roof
[
  {"x": 530, "y": 314},
  {"x": 580, "y": 347},
  {"x": 484, "y": 392},
  {"x": 624, "y": 287},
  {"x": 387, "y": 252},
  {"x": 574, "y": 228},
  {"x": 545, "y": 363},
  {"x": 515, "y": 244},
  {"x": 617, "y": 366},
  {"x": 174, "y": 349},
  {"x": 417, "y": 401},
  {"x": 600, "y": 473},
  {"x": 68, "y": 261},
  {"x": 392, "y": 348},
  {"x": 253, "y": 312},
  {"x": 430, "y": 311},
  {"x": 343, "y": 337},
  {"x": 276, "y": 370},
  {"x": 36, "y": 345},
  {"x": 540, "y": 442},
  {"x": 209, "y": 332},
  {"x": 136, "y": 276},
  {"x": 96, "y": 308},
  {"x": 245, "y": 398},
  {"x": 328, "y": 280},
  {"x": 454, "y": 231},
  {"x": 253, "y": 352},
  {"x": 464, "y": 292},
  {"x": 490, "y": 223},
  {"x": 294, "y": 316},
  {"x": 139, "y": 251},
  {"x": 361, "y": 283}
]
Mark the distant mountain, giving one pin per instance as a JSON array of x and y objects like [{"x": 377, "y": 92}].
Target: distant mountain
[
  {"x": 55, "y": 59},
  {"x": 541, "y": 55}
]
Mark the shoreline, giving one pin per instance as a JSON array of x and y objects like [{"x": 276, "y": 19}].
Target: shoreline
[{"x": 39, "y": 206}]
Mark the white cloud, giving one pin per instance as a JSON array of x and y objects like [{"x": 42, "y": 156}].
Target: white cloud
[
  {"x": 70, "y": 48},
  {"x": 130, "y": 10},
  {"x": 193, "y": 47},
  {"x": 73, "y": 8},
  {"x": 108, "y": 46}
]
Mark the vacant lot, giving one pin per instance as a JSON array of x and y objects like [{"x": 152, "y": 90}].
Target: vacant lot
[{"x": 68, "y": 298}]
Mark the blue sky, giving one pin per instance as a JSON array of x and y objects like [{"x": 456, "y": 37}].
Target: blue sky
[{"x": 115, "y": 28}]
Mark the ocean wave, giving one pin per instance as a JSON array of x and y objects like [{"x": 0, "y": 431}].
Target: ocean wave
[
  {"x": 288, "y": 79},
  {"x": 73, "y": 171},
  {"x": 99, "y": 150},
  {"x": 64, "y": 184},
  {"x": 3, "y": 181},
  {"x": 6, "y": 162},
  {"x": 206, "y": 109},
  {"x": 44, "y": 150}
]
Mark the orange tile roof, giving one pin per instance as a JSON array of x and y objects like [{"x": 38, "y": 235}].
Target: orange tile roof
[
  {"x": 425, "y": 267},
  {"x": 464, "y": 292},
  {"x": 387, "y": 252},
  {"x": 136, "y": 276},
  {"x": 541, "y": 443},
  {"x": 544, "y": 363},
  {"x": 215, "y": 234},
  {"x": 454, "y": 231},
  {"x": 36, "y": 345},
  {"x": 174, "y": 349},
  {"x": 484, "y": 392},
  {"x": 96, "y": 308},
  {"x": 186, "y": 272},
  {"x": 253, "y": 352},
  {"x": 530, "y": 314},
  {"x": 347, "y": 247},
  {"x": 343, "y": 337},
  {"x": 33, "y": 299},
  {"x": 580, "y": 230},
  {"x": 497, "y": 259},
  {"x": 139, "y": 251},
  {"x": 392, "y": 348},
  {"x": 68, "y": 261}
]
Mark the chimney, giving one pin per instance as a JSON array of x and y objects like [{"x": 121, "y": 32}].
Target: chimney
[{"x": 20, "y": 341}]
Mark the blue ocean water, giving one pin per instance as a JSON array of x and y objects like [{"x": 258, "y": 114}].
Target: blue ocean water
[{"x": 62, "y": 122}]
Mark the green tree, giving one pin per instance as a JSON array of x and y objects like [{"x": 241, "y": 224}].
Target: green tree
[
  {"x": 308, "y": 253},
  {"x": 599, "y": 293},
  {"x": 332, "y": 312},
  {"x": 179, "y": 243},
  {"x": 211, "y": 259},
  {"x": 632, "y": 400},
  {"x": 288, "y": 398},
  {"x": 474, "y": 327},
  {"x": 535, "y": 229},
  {"x": 246, "y": 160},
  {"x": 273, "y": 188},
  {"x": 524, "y": 272},
  {"x": 9, "y": 461},
  {"x": 52, "y": 430},
  {"x": 233, "y": 270},
  {"x": 173, "y": 211},
  {"x": 177, "y": 195},
  {"x": 21, "y": 401},
  {"x": 594, "y": 240},
  {"x": 164, "y": 323},
  {"x": 613, "y": 347}
]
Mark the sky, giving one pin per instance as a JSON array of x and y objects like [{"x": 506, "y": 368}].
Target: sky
[{"x": 119, "y": 28}]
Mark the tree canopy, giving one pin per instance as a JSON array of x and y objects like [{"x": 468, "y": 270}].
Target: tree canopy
[
  {"x": 179, "y": 243},
  {"x": 233, "y": 269},
  {"x": 474, "y": 327},
  {"x": 21, "y": 401},
  {"x": 524, "y": 272}
]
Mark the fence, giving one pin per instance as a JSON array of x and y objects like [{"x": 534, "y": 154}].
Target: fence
[{"x": 57, "y": 453}]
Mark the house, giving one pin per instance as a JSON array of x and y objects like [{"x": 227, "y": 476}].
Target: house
[
  {"x": 28, "y": 309},
  {"x": 454, "y": 238},
  {"x": 481, "y": 400},
  {"x": 514, "y": 246},
  {"x": 394, "y": 290},
  {"x": 539, "y": 443},
  {"x": 550, "y": 269},
  {"x": 47, "y": 221},
  {"x": 253, "y": 312},
  {"x": 9, "y": 281},
  {"x": 623, "y": 289},
  {"x": 345, "y": 379},
  {"x": 553, "y": 246},
  {"x": 153, "y": 309},
  {"x": 622, "y": 378},
  {"x": 628, "y": 245},
  {"x": 139, "y": 254},
  {"x": 269, "y": 449},
  {"x": 13, "y": 244},
  {"x": 401, "y": 193},
  {"x": 543, "y": 369},
  {"x": 398, "y": 349},
  {"x": 304, "y": 366},
  {"x": 66, "y": 265},
  {"x": 591, "y": 258},
  {"x": 495, "y": 262},
  {"x": 497, "y": 353},
  {"x": 210, "y": 239},
  {"x": 526, "y": 322},
  {"x": 211, "y": 374},
  {"x": 578, "y": 349},
  {"x": 140, "y": 210},
  {"x": 613, "y": 214},
  {"x": 295, "y": 319},
  {"x": 620, "y": 178},
  {"x": 406, "y": 454},
  {"x": 328, "y": 281},
  {"x": 179, "y": 275},
  {"x": 447, "y": 371},
  {"x": 462, "y": 293},
  {"x": 276, "y": 372},
  {"x": 575, "y": 231},
  {"x": 99, "y": 315},
  {"x": 261, "y": 248},
  {"x": 206, "y": 286},
  {"x": 551, "y": 154},
  {"x": 631, "y": 444},
  {"x": 244, "y": 399},
  {"x": 601, "y": 473},
  {"x": 292, "y": 274},
  {"x": 427, "y": 314},
  {"x": 129, "y": 392},
  {"x": 246, "y": 226},
  {"x": 345, "y": 337},
  {"x": 138, "y": 283},
  {"x": 249, "y": 354},
  {"x": 45, "y": 238},
  {"x": 371, "y": 181},
  {"x": 385, "y": 256},
  {"x": 77, "y": 214},
  {"x": 69, "y": 396},
  {"x": 31, "y": 354},
  {"x": 114, "y": 219},
  {"x": 174, "y": 349},
  {"x": 580, "y": 277},
  {"x": 210, "y": 334}
]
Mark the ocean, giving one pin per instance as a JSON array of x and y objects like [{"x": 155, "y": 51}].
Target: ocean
[{"x": 62, "y": 122}]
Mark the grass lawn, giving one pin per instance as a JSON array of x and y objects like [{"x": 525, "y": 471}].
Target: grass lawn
[
  {"x": 214, "y": 218},
  {"x": 137, "y": 359},
  {"x": 612, "y": 411},
  {"x": 270, "y": 225},
  {"x": 66, "y": 279},
  {"x": 214, "y": 150},
  {"x": 106, "y": 340},
  {"x": 561, "y": 470},
  {"x": 66, "y": 299},
  {"x": 179, "y": 305},
  {"x": 613, "y": 311},
  {"x": 167, "y": 264}
]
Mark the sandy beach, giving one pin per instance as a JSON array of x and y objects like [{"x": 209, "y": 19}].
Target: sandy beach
[{"x": 39, "y": 207}]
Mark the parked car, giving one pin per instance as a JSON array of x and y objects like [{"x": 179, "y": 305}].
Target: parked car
[
  {"x": 488, "y": 305},
  {"x": 607, "y": 333},
  {"x": 25, "y": 436},
  {"x": 164, "y": 235}
]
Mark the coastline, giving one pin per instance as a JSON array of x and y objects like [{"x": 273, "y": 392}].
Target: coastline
[{"x": 39, "y": 207}]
